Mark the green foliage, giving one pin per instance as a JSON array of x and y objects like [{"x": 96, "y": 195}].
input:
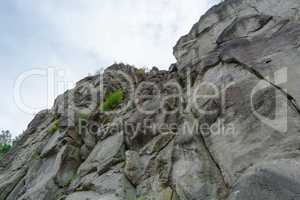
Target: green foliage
[
  {"x": 36, "y": 155},
  {"x": 84, "y": 116},
  {"x": 140, "y": 72},
  {"x": 106, "y": 119},
  {"x": 112, "y": 101},
  {"x": 4, "y": 148},
  {"x": 54, "y": 127}
]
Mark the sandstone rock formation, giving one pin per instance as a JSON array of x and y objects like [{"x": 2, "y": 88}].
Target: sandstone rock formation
[{"x": 161, "y": 148}]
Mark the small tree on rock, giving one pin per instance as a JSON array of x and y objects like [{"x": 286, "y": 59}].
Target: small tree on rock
[{"x": 5, "y": 142}]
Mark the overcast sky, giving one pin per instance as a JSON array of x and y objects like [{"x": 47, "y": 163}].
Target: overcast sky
[{"x": 78, "y": 37}]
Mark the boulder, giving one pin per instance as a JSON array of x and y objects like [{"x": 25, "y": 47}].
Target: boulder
[{"x": 105, "y": 154}]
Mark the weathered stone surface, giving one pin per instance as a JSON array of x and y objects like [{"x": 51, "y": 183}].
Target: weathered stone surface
[
  {"x": 106, "y": 154},
  {"x": 85, "y": 196},
  {"x": 251, "y": 47},
  {"x": 17, "y": 191},
  {"x": 38, "y": 120},
  {"x": 271, "y": 180},
  {"x": 45, "y": 178},
  {"x": 158, "y": 143},
  {"x": 151, "y": 189},
  {"x": 53, "y": 142},
  {"x": 9, "y": 182},
  {"x": 88, "y": 139},
  {"x": 203, "y": 36},
  {"x": 242, "y": 27},
  {"x": 84, "y": 152},
  {"x": 133, "y": 167},
  {"x": 242, "y": 144},
  {"x": 114, "y": 184},
  {"x": 110, "y": 185},
  {"x": 195, "y": 174}
]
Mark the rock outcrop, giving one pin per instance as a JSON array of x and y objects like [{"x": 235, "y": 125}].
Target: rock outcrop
[{"x": 222, "y": 124}]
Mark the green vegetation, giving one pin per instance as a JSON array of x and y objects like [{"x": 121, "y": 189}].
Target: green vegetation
[
  {"x": 84, "y": 116},
  {"x": 54, "y": 127},
  {"x": 36, "y": 155},
  {"x": 112, "y": 101},
  {"x": 106, "y": 119},
  {"x": 140, "y": 72},
  {"x": 4, "y": 148}
]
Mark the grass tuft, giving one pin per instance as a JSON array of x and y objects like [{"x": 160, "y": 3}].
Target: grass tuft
[
  {"x": 140, "y": 72},
  {"x": 112, "y": 101},
  {"x": 54, "y": 127},
  {"x": 4, "y": 148}
]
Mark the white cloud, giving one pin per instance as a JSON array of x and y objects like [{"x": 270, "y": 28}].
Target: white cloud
[{"x": 141, "y": 32}]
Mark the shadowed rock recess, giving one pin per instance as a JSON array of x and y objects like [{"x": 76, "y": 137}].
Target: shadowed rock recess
[{"x": 131, "y": 154}]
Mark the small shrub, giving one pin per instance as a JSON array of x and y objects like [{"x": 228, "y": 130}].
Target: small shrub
[
  {"x": 84, "y": 116},
  {"x": 54, "y": 127},
  {"x": 36, "y": 156},
  {"x": 112, "y": 101},
  {"x": 140, "y": 72},
  {"x": 4, "y": 148}
]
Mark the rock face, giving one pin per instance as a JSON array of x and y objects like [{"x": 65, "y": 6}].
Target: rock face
[{"x": 222, "y": 124}]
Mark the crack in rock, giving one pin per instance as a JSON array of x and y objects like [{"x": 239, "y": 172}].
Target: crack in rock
[{"x": 289, "y": 97}]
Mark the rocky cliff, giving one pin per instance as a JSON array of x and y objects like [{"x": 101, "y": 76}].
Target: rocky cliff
[{"x": 223, "y": 123}]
